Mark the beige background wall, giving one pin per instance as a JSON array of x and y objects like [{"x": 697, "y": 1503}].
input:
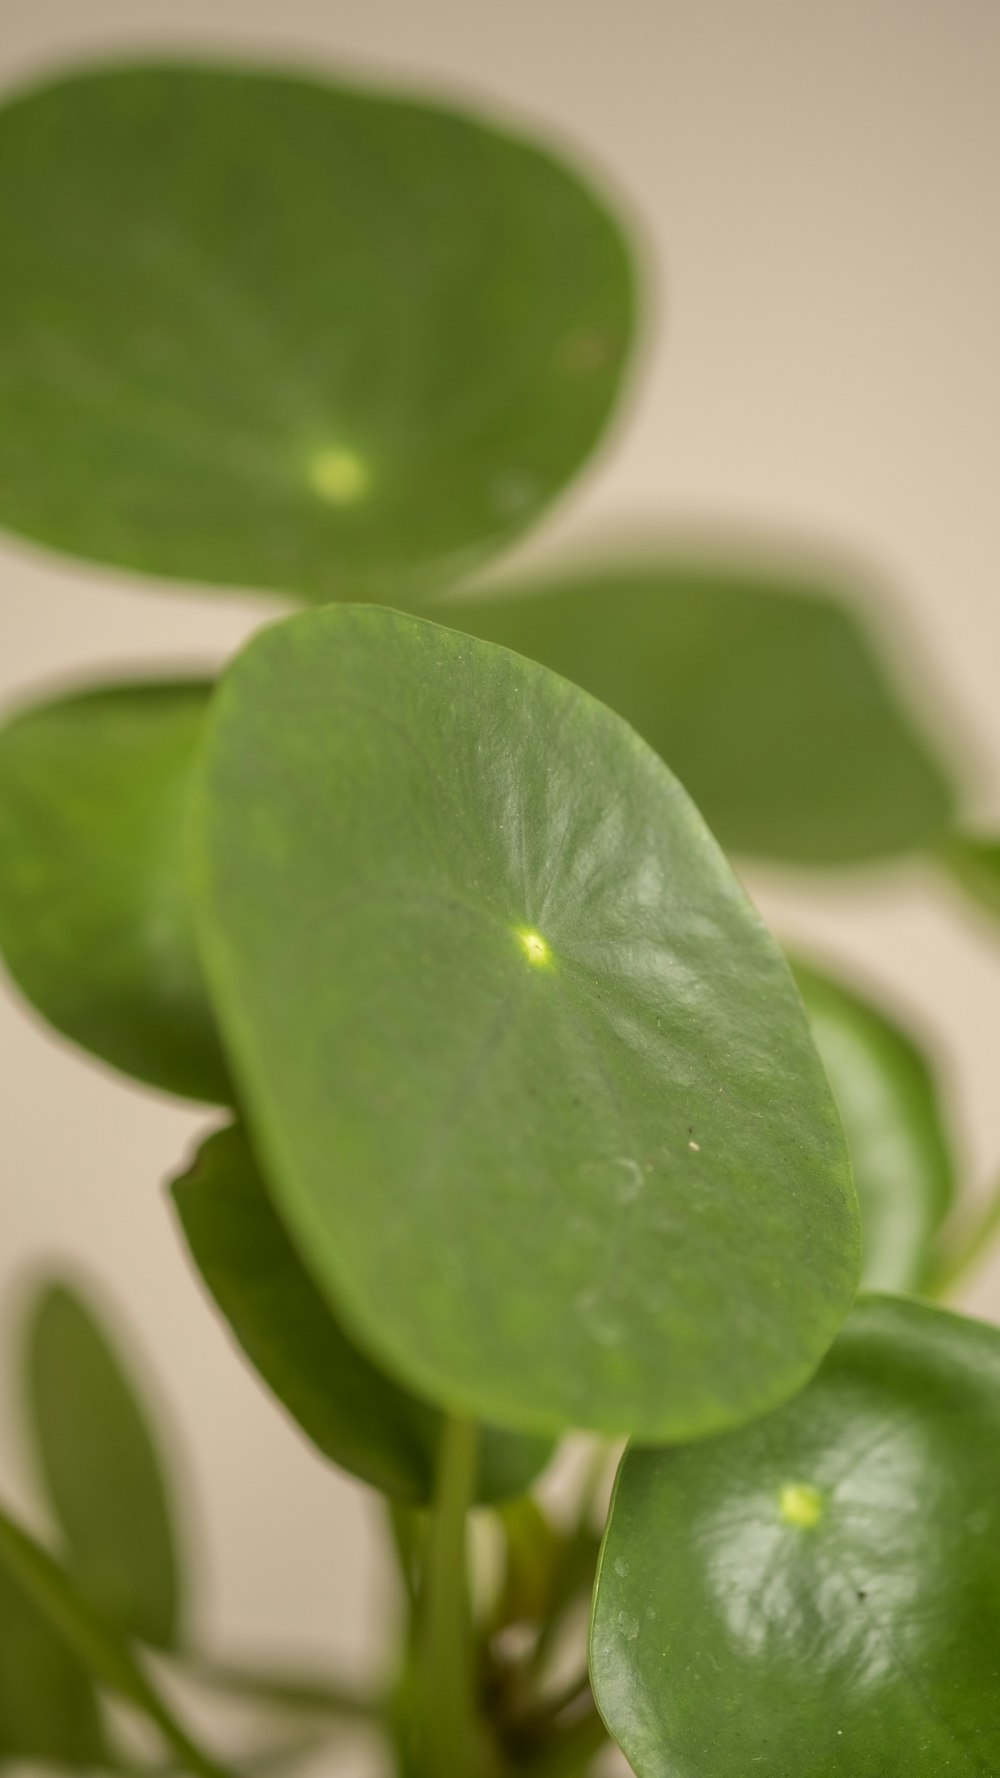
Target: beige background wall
[{"x": 817, "y": 183}]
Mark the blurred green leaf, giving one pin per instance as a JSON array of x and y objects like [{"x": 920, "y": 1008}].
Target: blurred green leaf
[
  {"x": 48, "y": 1708},
  {"x": 820, "y": 1592},
  {"x": 352, "y": 1411},
  {"x": 101, "y": 1469},
  {"x": 896, "y": 1134},
  {"x": 99, "y": 1644},
  {"x": 530, "y": 1081},
  {"x": 256, "y": 330},
  {"x": 761, "y": 691},
  {"x": 94, "y": 918},
  {"x": 974, "y": 862}
]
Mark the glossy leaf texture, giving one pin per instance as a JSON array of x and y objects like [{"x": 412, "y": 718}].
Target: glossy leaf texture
[
  {"x": 351, "y": 1410},
  {"x": 529, "y": 1078},
  {"x": 761, "y": 690},
  {"x": 95, "y": 924},
  {"x": 260, "y": 330},
  {"x": 974, "y": 862},
  {"x": 895, "y": 1126},
  {"x": 48, "y": 1708},
  {"x": 820, "y": 1592},
  {"x": 101, "y": 1468}
]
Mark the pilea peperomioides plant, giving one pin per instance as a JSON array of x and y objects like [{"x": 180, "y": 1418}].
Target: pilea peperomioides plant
[{"x": 523, "y": 1126}]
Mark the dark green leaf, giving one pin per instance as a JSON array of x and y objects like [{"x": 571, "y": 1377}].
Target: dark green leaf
[
  {"x": 48, "y": 1710},
  {"x": 895, "y": 1130},
  {"x": 530, "y": 1079},
  {"x": 94, "y": 918},
  {"x": 101, "y": 1469},
  {"x": 820, "y": 1593},
  {"x": 975, "y": 864},
  {"x": 100, "y": 1645},
  {"x": 352, "y": 1411},
  {"x": 53, "y": 1592},
  {"x": 257, "y": 330},
  {"x": 761, "y": 691}
]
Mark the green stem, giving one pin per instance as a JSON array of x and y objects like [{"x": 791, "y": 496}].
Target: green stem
[
  {"x": 570, "y": 1751},
  {"x": 967, "y": 1249},
  {"x": 444, "y": 1654},
  {"x": 285, "y": 1691},
  {"x": 573, "y": 1555},
  {"x": 406, "y": 1531},
  {"x": 190, "y": 1755}
]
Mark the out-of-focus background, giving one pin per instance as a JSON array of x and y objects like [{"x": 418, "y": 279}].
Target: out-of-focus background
[{"x": 816, "y": 189}]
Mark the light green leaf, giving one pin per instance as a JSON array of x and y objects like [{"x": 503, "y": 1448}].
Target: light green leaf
[
  {"x": 352, "y": 1411},
  {"x": 48, "y": 1709},
  {"x": 760, "y": 690},
  {"x": 895, "y": 1128},
  {"x": 820, "y": 1592},
  {"x": 530, "y": 1080},
  {"x": 101, "y": 1469},
  {"x": 258, "y": 330},
  {"x": 94, "y": 918}
]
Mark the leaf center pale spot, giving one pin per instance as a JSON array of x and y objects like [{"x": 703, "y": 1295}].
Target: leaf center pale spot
[
  {"x": 799, "y": 1504},
  {"x": 534, "y": 947},
  {"x": 339, "y": 476}
]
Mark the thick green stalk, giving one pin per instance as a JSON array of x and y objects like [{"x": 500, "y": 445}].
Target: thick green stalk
[{"x": 449, "y": 1733}]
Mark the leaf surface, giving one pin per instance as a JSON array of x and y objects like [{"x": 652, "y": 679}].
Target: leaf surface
[
  {"x": 48, "y": 1709},
  {"x": 761, "y": 691},
  {"x": 259, "y": 330},
  {"x": 95, "y": 923},
  {"x": 900, "y": 1149},
  {"x": 819, "y": 1592},
  {"x": 101, "y": 1468},
  {"x": 351, "y": 1410},
  {"x": 529, "y": 1078}
]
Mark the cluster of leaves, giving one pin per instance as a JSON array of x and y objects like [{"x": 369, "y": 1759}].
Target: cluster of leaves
[{"x": 531, "y": 1128}]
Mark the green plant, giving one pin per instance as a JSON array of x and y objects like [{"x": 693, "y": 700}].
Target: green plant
[{"x": 530, "y": 1128}]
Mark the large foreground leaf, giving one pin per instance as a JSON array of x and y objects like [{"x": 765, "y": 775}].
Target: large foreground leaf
[
  {"x": 899, "y": 1147},
  {"x": 530, "y": 1079},
  {"x": 101, "y": 1469},
  {"x": 351, "y": 1410},
  {"x": 761, "y": 691},
  {"x": 48, "y": 1709},
  {"x": 259, "y": 330},
  {"x": 94, "y": 918},
  {"x": 819, "y": 1593}
]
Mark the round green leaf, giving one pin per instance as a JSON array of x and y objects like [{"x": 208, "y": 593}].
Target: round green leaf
[
  {"x": 101, "y": 1469},
  {"x": 259, "y": 330},
  {"x": 351, "y": 1410},
  {"x": 532, "y": 1085},
  {"x": 94, "y": 919},
  {"x": 761, "y": 691},
  {"x": 895, "y": 1130},
  {"x": 48, "y": 1708},
  {"x": 820, "y": 1592}
]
